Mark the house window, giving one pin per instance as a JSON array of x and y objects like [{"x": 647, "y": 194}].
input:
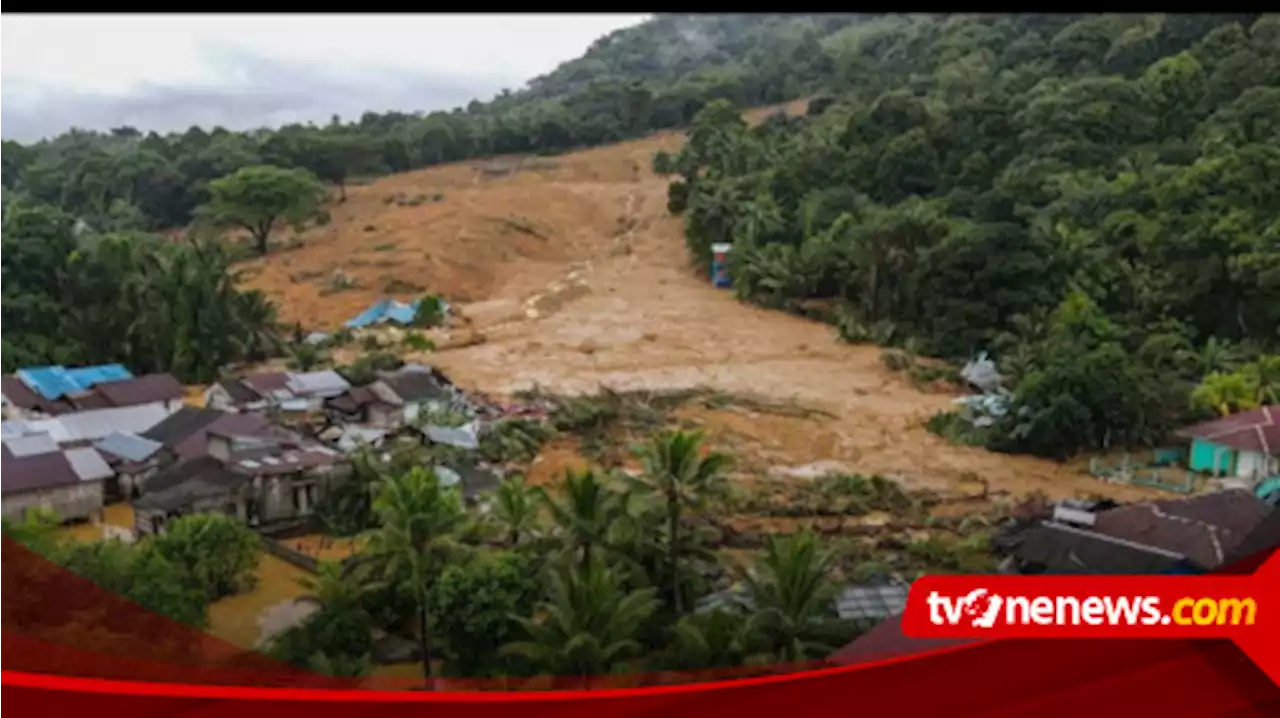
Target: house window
[
  {"x": 251, "y": 511},
  {"x": 232, "y": 510}
]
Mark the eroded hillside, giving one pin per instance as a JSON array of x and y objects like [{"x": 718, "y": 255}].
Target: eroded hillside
[{"x": 577, "y": 276}]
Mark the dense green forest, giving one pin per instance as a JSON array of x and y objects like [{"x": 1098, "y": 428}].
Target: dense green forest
[{"x": 1093, "y": 201}]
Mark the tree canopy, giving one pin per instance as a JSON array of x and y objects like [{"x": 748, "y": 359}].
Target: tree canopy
[{"x": 1081, "y": 196}]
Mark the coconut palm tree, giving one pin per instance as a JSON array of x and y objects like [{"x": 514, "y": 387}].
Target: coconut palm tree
[
  {"x": 583, "y": 512},
  {"x": 516, "y": 509},
  {"x": 588, "y": 625},
  {"x": 419, "y": 519},
  {"x": 676, "y": 468},
  {"x": 792, "y": 592}
]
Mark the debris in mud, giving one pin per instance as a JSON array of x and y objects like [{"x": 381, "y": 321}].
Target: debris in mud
[
  {"x": 982, "y": 374},
  {"x": 812, "y": 470}
]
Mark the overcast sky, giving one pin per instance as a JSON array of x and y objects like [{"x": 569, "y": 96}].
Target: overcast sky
[{"x": 168, "y": 72}]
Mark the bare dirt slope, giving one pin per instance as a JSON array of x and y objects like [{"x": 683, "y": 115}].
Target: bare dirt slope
[{"x": 577, "y": 276}]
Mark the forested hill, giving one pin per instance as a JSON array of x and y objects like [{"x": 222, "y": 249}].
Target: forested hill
[{"x": 1093, "y": 200}]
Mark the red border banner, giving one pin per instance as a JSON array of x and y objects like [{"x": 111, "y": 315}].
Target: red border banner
[{"x": 70, "y": 647}]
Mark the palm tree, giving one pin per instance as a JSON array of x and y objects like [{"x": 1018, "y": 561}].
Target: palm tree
[
  {"x": 583, "y": 512},
  {"x": 419, "y": 518},
  {"x": 792, "y": 592},
  {"x": 709, "y": 640},
  {"x": 516, "y": 509},
  {"x": 675, "y": 468},
  {"x": 1265, "y": 372},
  {"x": 588, "y": 625},
  {"x": 1226, "y": 393}
]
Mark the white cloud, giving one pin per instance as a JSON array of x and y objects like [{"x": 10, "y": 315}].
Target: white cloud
[{"x": 112, "y": 60}]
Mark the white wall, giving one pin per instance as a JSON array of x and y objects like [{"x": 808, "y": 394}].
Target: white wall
[{"x": 1255, "y": 465}]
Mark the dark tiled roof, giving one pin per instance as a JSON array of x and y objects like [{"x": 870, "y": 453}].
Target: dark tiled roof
[
  {"x": 353, "y": 400},
  {"x": 227, "y": 423},
  {"x": 188, "y": 480},
  {"x": 415, "y": 386},
  {"x": 1205, "y": 528},
  {"x": 267, "y": 382},
  {"x": 1059, "y": 549},
  {"x": 180, "y": 425},
  {"x": 36, "y": 472},
  {"x": 141, "y": 390},
  {"x": 1257, "y": 430},
  {"x": 20, "y": 395},
  {"x": 92, "y": 399},
  {"x": 239, "y": 392}
]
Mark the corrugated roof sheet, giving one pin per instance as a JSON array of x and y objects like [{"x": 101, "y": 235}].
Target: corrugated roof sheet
[
  {"x": 264, "y": 383},
  {"x": 20, "y": 395},
  {"x": 1202, "y": 528},
  {"x": 326, "y": 382},
  {"x": 100, "y": 423},
  {"x": 36, "y": 472},
  {"x": 463, "y": 437},
  {"x": 52, "y": 382},
  {"x": 141, "y": 390},
  {"x": 30, "y": 444},
  {"x": 129, "y": 446},
  {"x": 88, "y": 464},
  {"x": 871, "y": 602}
]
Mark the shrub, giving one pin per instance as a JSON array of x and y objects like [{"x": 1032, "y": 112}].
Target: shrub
[{"x": 217, "y": 553}]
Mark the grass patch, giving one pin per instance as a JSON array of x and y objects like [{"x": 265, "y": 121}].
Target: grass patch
[{"x": 953, "y": 427}]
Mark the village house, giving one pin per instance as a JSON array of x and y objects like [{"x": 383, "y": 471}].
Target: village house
[
  {"x": 1189, "y": 535},
  {"x": 1244, "y": 446},
  {"x": 18, "y": 401},
  {"x": 37, "y": 474},
  {"x": 397, "y": 398},
  {"x": 133, "y": 458},
  {"x": 264, "y": 479},
  {"x": 184, "y": 435},
  {"x": 252, "y": 392},
  {"x": 295, "y": 393}
]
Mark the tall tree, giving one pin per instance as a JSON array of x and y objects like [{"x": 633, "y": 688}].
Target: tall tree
[
  {"x": 588, "y": 625},
  {"x": 419, "y": 519},
  {"x": 256, "y": 198},
  {"x": 676, "y": 468}
]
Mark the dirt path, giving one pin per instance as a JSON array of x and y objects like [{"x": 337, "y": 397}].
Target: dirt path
[{"x": 643, "y": 318}]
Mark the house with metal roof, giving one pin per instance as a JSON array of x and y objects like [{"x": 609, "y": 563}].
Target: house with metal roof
[
  {"x": 54, "y": 382},
  {"x": 1245, "y": 445},
  {"x": 315, "y": 386},
  {"x": 265, "y": 478},
  {"x": 18, "y": 401},
  {"x": 85, "y": 427},
  {"x": 70, "y": 482},
  {"x": 133, "y": 458}
]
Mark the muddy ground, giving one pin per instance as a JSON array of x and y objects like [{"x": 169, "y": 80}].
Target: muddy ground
[{"x": 572, "y": 275}]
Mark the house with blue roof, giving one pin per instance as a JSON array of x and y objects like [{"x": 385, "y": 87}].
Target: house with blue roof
[{"x": 54, "y": 382}]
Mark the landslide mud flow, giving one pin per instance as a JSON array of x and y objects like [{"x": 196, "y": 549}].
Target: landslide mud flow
[{"x": 576, "y": 276}]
